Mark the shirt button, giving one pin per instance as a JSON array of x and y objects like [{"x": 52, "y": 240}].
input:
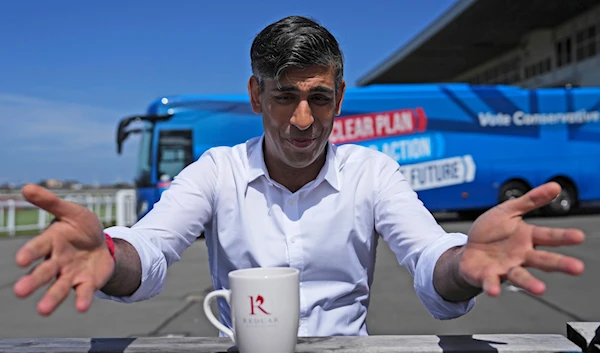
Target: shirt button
[
  {"x": 291, "y": 202},
  {"x": 293, "y": 240}
]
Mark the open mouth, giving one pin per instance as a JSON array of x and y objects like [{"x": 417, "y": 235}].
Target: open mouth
[{"x": 301, "y": 142}]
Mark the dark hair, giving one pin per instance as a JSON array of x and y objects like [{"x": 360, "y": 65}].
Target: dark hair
[{"x": 298, "y": 42}]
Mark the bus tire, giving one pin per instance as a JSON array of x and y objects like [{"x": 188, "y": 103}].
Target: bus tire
[
  {"x": 512, "y": 189},
  {"x": 564, "y": 203}
]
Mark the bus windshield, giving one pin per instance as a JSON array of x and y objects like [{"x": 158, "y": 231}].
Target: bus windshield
[{"x": 175, "y": 152}]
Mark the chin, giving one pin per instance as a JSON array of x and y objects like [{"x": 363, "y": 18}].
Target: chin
[
  {"x": 302, "y": 159},
  {"x": 300, "y": 163}
]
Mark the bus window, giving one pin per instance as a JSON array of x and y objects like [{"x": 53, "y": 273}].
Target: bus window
[
  {"x": 174, "y": 152},
  {"x": 144, "y": 166}
]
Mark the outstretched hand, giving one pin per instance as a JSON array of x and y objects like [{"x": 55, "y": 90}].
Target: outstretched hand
[
  {"x": 73, "y": 251},
  {"x": 500, "y": 245}
]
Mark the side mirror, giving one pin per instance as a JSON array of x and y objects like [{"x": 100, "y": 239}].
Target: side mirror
[{"x": 123, "y": 136}]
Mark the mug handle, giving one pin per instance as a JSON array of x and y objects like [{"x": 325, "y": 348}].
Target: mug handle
[{"x": 225, "y": 293}]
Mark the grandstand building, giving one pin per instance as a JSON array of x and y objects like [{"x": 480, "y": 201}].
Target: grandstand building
[{"x": 528, "y": 43}]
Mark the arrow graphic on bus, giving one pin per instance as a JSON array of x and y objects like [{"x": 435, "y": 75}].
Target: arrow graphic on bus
[{"x": 440, "y": 172}]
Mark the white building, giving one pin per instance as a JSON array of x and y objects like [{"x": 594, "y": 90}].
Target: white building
[{"x": 528, "y": 43}]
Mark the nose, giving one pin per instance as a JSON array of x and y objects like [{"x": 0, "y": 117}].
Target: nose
[{"x": 302, "y": 118}]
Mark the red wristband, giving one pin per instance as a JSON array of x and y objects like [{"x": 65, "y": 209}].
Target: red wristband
[{"x": 110, "y": 244}]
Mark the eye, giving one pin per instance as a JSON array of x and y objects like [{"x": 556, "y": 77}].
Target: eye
[
  {"x": 283, "y": 98},
  {"x": 320, "y": 99}
]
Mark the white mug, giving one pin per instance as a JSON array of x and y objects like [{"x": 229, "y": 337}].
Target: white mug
[{"x": 265, "y": 309}]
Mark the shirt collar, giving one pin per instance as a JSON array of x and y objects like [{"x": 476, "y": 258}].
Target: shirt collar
[
  {"x": 256, "y": 161},
  {"x": 330, "y": 171}
]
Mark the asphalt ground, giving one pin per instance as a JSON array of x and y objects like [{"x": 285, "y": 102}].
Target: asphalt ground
[{"x": 394, "y": 310}]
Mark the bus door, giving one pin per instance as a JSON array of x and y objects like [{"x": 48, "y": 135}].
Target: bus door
[{"x": 174, "y": 151}]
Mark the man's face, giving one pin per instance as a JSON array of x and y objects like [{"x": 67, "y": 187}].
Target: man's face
[{"x": 298, "y": 115}]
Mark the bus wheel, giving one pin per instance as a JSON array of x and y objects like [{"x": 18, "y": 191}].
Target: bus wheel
[
  {"x": 512, "y": 190},
  {"x": 564, "y": 203}
]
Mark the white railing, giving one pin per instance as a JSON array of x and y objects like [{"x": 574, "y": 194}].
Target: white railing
[
  {"x": 18, "y": 216},
  {"x": 126, "y": 207}
]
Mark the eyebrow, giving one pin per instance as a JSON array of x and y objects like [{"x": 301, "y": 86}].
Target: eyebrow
[{"x": 321, "y": 89}]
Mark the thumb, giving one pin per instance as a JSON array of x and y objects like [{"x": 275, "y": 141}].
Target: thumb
[
  {"x": 535, "y": 198},
  {"x": 49, "y": 201}
]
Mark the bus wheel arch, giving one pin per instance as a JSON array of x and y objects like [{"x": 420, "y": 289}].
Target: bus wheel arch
[
  {"x": 566, "y": 201},
  {"x": 512, "y": 188}
]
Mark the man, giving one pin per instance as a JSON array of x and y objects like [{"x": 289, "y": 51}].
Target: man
[{"x": 291, "y": 198}]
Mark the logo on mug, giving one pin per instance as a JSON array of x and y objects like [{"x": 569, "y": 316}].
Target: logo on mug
[
  {"x": 256, "y": 319},
  {"x": 256, "y": 303}
]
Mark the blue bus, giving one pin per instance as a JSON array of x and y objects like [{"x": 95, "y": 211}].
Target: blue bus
[{"x": 464, "y": 148}]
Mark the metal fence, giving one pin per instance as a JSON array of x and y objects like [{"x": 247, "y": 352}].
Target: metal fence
[{"x": 17, "y": 216}]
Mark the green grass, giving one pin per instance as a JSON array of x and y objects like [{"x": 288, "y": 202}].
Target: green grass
[{"x": 31, "y": 217}]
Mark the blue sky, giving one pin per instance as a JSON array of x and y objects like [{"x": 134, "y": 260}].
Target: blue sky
[{"x": 70, "y": 70}]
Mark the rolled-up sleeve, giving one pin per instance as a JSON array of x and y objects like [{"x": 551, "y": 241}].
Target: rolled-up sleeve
[
  {"x": 173, "y": 224},
  {"x": 154, "y": 267},
  {"x": 415, "y": 237},
  {"x": 439, "y": 308}
]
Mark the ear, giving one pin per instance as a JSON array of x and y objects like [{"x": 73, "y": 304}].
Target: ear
[
  {"x": 340, "y": 97},
  {"x": 255, "y": 96}
]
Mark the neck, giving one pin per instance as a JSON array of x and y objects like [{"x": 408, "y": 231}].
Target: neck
[{"x": 291, "y": 178}]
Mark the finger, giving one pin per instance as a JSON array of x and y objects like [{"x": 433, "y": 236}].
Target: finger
[
  {"x": 491, "y": 285},
  {"x": 533, "y": 199},
  {"x": 546, "y": 236},
  {"x": 551, "y": 262},
  {"x": 55, "y": 295},
  {"x": 490, "y": 280},
  {"x": 47, "y": 200},
  {"x": 39, "y": 277},
  {"x": 84, "y": 293},
  {"x": 522, "y": 278},
  {"x": 35, "y": 249},
  {"x": 54, "y": 220}
]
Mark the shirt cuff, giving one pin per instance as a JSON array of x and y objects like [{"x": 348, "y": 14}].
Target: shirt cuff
[
  {"x": 440, "y": 308},
  {"x": 154, "y": 266}
]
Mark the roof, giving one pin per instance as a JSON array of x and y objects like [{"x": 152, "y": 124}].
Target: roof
[
  {"x": 469, "y": 34},
  {"x": 218, "y": 102}
]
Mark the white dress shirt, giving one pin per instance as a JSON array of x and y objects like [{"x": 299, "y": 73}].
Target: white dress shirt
[{"x": 328, "y": 230}]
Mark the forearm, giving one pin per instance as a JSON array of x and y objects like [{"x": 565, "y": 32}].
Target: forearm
[
  {"x": 447, "y": 279},
  {"x": 127, "y": 275}
]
